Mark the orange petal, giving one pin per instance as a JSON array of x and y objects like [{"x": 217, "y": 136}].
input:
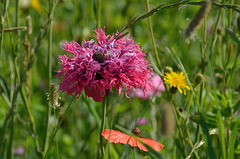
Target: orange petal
[{"x": 119, "y": 137}]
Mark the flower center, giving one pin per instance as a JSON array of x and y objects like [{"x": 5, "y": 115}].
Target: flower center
[{"x": 100, "y": 55}]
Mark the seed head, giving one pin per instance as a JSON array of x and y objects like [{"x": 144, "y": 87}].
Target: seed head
[{"x": 198, "y": 18}]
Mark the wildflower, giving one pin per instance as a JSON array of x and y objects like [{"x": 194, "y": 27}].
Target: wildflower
[
  {"x": 98, "y": 66},
  {"x": 177, "y": 80},
  {"x": 156, "y": 87},
  {"x": 141, "y": 121},
  {"x": 118, "y": 137}
]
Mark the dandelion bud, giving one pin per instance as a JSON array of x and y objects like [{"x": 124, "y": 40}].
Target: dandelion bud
[
  {"x": 167, "y": 69},
  {"x": 53, "y": 96},
  {"x": 199, "y": 78},
  {"x": 198, "y": 18}
]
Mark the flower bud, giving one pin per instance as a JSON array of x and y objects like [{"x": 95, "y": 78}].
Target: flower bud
[
  {"x": 136, "y": 131},
  {"x": 219, "y": 77},
  {"x": 167, "y": 69},
  {"x": 198, "y": 79},
  {"x": 173, "y": 90},
  {"x": 220, "y": 31}
]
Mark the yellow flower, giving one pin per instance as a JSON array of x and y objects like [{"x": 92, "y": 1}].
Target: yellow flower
[
  {"x": 35, "y": 4},
  {"x": 177, "y": 80}
]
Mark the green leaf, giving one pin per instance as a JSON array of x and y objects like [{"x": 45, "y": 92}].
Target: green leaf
[
  {"x": 210, "y": 148},
  {"x": 232, "y": 141},
  {"x": 209, "y": 119}
]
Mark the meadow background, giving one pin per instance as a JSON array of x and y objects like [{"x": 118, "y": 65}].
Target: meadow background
[{"x": 204, "y": 123}]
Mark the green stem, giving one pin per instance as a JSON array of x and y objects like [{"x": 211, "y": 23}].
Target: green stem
[
  {"x": 134, "y": 153},
  {"x": 10, "y": 146},
  {"x": 152, "y": 37},
  {"x": 32, "y": 122},
  {"x": 104, "y": 107},
  {"x": 55, "y": 124},
  {"x": 16, "y": 25},
  {"x": 10, "y": 113},
  {"x": 99, "y": 14},
  {"x": 178, "y": 121},
  {"x": 50, "y": 17},
  {"x": 56, "y": 130},
  {"x": 2, "y": 25},
  {"x": 187, "y": 130}
]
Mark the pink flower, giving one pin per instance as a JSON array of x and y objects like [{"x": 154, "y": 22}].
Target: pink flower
[
  {"x": 156, "y": 85},
  {"x": 141, "y": 121},
  {"x": 99, "y": 66},
  {"x": 19, "y": 151}
]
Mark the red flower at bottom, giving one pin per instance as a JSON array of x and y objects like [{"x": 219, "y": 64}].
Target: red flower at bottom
[{"x": 119, "y": 137}]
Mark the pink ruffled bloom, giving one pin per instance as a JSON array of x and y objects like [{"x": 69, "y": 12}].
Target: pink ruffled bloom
[
  {"x": 99, "y": 66},
  {"x": 156, "y": 85}
]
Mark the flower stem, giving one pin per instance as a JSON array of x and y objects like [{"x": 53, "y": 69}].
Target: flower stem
[
  {"x": 134, "y": 153},
  {"x": 2, "y": 26},
  {"x": 104, "y": 107},
  {"x": 99, "y": 14},
  {"x": 152, "y": 36},
  {"x": 56, "y": 129},
  {"x": 32, "y": 122},
  {"x": 50, "y": 17}
]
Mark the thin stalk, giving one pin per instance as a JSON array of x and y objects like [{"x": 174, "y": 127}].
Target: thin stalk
[
  {"x": 218, "y": 114},
  {"x": 203, "y": 55},
  {"x": 23, "y": 28},
  {"x": 99, "y": 14},
  {"x": 134, "y": 153},
  {"x": 32, "y": 122},
  {"x": 55, "y": 123},
  {"x": 16, "y": 24},
  {"x": 187, "y": 130},
  {"x": 152, "y": 37},
  {"x": 178, "y": 121},
  {"x": 214, "y": 34},
  {"x": 104, "y": 107},
  {"x": 228, "y": 54},
  {"x": 9, "y": 114},
  {"x": 10, "y": 146},
  {"x": 56, "y": 129},
  {"x": 50, "y": 17},
  {"x": 234, "y": 7},
  {"x": 2, "y": 25}
]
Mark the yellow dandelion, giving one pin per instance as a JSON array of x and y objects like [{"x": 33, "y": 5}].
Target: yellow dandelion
[{"x": 177, "y": 80}]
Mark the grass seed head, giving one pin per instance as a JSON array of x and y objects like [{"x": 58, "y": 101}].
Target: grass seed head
[{"x": 198, "y": 18}]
